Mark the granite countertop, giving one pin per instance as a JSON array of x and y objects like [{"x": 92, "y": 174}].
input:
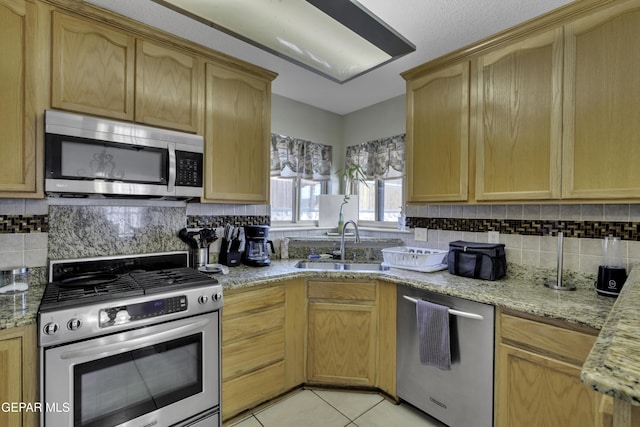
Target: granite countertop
[
  {"x": 613, "y": 366},
  {"x": 20, "y": 309},
  {"x": 522, "y": 290}
]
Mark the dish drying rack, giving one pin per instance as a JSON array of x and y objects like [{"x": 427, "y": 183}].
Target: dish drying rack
[{"x": 413, "y": 258}]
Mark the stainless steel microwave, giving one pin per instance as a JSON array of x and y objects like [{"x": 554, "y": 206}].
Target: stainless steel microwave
[{"x": 90, "y": 156}]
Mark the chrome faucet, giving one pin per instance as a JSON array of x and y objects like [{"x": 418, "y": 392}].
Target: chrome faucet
[{"x": 344, "y": 227}]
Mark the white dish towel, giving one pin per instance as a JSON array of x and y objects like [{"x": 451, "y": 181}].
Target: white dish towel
[{"x": 433, "y": 333}]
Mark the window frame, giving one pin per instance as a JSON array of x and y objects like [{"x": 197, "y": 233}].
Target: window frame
[
  {"x": 296, "y": 199},
  {"x": 379, "y": 203}
]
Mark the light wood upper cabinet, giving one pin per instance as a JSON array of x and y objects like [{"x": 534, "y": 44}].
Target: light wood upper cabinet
[
  {"x": 518, "y": 133},
  {"x": 20, "y": 163},
  {"x": 103, "y": 71},
  {"x": 237, "y": 134},
  {"x": 169, "y": 87},
  {"x": 438, "y": 135},
  {"x": 93, "y": 68},
  {"x": 601, "y": 150}
]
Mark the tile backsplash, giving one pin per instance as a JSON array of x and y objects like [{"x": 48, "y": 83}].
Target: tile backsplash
[
  {"x": 33, "y": 231},
  {"x": 24, "y": 226},
  {"x": 530, "y": 231}
]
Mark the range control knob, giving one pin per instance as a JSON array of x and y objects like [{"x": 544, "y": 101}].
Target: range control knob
[
  {"x": 217, "y": 296},
  {"x": 122, "y": 316},
  {"x": 74, "y": 324},
  {"x": 50, "y": 328},
  {"x": 203, "y": 299}
]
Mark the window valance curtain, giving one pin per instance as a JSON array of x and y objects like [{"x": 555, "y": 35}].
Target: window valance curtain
[
  {"x": 380, "y": 159},
  {"x": 293, "y": 157}
]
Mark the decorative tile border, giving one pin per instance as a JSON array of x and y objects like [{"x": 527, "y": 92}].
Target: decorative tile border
[
  {"x": 10, "y": 224},
  {"x": 577, "y": 229},
  {"x": 215, "y": 221}
]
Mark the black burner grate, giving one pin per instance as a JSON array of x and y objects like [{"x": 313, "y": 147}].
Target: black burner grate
[
  {"x": 161, "y": 280},
  {"x": 126, "y": 285}
]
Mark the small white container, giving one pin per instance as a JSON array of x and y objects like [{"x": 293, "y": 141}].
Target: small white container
[{"x": 14, "y": 281}]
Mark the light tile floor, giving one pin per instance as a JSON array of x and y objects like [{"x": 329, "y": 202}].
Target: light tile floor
[{"x": 328, "y": 408}]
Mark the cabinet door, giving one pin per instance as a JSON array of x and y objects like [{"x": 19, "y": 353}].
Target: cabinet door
[
  {"x": 93, "y": 68},
  {"x": 342, "y": 344},
  {"x": 237, "y": 130},
  {"x": 519, "y": 127},
  {"x": 19, "y": 374},
  {"x": 19, "y": 161},
  {"x": 262, "y": 344},
  {"x": 601, "y": 141},
  {"x": 537, "y": 391},
  {"x": 168, "y": 87},
  {"x": 438, "y": 136},
  {"x": 11, "y": 384}
]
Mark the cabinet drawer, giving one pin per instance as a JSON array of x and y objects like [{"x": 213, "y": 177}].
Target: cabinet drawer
[
  {"x": 348, "y": 291},
  {"x": 248, "y": 355},
  {"x": 568, "y": 344},
  {"x": 243, "y": 327},
  {"x": 252, "y": 300},
  {"x": 249, "y": 390}
]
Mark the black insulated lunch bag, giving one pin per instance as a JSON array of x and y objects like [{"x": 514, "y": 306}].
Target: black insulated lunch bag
[{"x": 485, "y": 261}]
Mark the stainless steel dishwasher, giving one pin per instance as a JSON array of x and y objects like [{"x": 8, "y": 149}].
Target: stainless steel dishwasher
[{"x": 462, "y": 396}]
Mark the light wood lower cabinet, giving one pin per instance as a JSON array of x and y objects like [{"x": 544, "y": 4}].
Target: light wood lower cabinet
[
  {"x": 538, "y": 375},
  {"x": 18, "y": 374},
  {"x": 262, "y": 344},
  {"x": 351, "y": 334}
]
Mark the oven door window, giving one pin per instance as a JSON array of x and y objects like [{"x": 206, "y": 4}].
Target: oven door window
[{"x": 119, "y": 388}]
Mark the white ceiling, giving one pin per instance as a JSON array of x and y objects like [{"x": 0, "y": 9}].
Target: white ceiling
[{"x": 436, "y": 27}]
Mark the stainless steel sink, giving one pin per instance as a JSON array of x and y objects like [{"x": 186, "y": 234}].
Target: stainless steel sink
[{"x": 341, "y": 266}]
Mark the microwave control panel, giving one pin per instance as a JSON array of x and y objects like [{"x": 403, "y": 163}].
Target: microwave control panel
[{"x": 189, "y": 169}]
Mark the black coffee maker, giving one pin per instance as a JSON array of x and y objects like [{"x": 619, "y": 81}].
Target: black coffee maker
[{"x": 257, "y": 244}]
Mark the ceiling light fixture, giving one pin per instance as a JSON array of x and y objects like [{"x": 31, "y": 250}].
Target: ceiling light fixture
[{"x": 338, "y": 39}]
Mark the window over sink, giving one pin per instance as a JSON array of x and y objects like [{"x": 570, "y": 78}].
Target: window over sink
[{"x": 300, "y": 172}]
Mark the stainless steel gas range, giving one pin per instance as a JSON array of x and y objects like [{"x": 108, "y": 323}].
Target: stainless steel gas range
[{"x": 130, "y": 341}]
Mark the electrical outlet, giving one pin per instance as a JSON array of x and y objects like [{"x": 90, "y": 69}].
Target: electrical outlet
[
  {"x": 494, "y": 237},
  {"x": 421, "y": 234}
]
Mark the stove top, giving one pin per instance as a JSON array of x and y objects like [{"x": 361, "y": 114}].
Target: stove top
[
  {"x": 81, "y": 282},
  {"x": 87, "y": 298}
]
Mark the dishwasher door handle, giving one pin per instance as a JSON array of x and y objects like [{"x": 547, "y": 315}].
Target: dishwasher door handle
[{"x": 452, "y": 311}]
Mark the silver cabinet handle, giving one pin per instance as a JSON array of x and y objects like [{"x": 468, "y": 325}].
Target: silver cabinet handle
[{"x": 452, "y": 311}]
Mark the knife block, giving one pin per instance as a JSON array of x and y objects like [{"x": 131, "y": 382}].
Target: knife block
[{"x": 227, "y": 256}]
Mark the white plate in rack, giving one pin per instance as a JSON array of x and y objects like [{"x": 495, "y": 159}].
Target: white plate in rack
[{"x": 429, "y": 269}]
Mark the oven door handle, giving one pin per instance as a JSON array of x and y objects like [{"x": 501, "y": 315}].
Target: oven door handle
[{"x": 122, "y": 345}]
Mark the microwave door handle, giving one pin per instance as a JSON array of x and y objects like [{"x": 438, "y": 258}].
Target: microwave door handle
[
  {"x": 120, "y": 346},
  {"x": 452, "y": 311},
  {"x": 171, "y": 186}
]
